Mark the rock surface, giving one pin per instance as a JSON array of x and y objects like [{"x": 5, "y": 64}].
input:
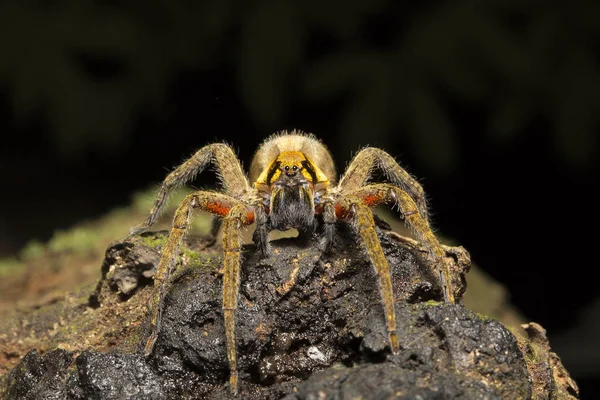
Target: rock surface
[{"x": 308, "y": 327}]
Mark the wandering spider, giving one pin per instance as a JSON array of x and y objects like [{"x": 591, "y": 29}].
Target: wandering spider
[{"x": 294, "y": 179}]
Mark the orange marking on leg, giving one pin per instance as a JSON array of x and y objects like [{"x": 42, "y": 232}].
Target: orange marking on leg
[
  {"x": 249, "y": 216},
  {"x": 218, "y": 208},
  {"x": 341, "y": 212},
  {"x": 373, "y": 199}
]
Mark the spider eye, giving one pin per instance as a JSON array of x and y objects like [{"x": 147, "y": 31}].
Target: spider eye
[
  {"x": 295, "y": 168},
  {"x": 287, "y": 168}
]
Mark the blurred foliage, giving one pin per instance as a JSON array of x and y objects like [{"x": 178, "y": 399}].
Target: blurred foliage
[
  {"x": 92, "y": 237},
  {"x": 92, "y": 67}
]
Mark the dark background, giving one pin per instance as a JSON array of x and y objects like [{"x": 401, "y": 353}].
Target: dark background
[{"x": 493, "y": 104}]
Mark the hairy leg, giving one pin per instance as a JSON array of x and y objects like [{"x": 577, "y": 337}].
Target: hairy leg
[
  {"x": 232, "y": 247},
  {"x": 260, "y": 237},
  {"x": 329, "y": 219},
  {"x": 381, "y": 193},
  {"x": 228, "y": 168},
  {"x": 216, "y": 203},
  {"x": 359, "y": 171},
  {"x": 365, "y": 225}
]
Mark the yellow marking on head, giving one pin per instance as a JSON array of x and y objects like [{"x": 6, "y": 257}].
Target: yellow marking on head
[
  {"x": 306, "y": 144},
  {"x": 290, "y": 162},
  {"x": 291, "y": 158},
  {"x": 320, "y": 177},
  {"x": 307, "y": 175}
]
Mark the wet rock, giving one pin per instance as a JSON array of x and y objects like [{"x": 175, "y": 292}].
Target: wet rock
[
  {"x": 446, "y": 352},
  {"x": 40, "y": 376},
  {"x": 385, "y": 381},
  {"x": 307, "y": 327}
]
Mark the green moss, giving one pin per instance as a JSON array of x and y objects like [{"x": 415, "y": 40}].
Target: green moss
[
  {"x": 8, "y": 266},
  {"x": 194, "y": 264},
  {"x": 197, "y": 260},
  {"x": 531, "y": 354},
  {"x": 74, "y": 327},
  {"x": 433, "y": 303},
  {"x": 193, "y": 259},
  {"x": 33, "y": 250},
  {"x": 131, "y": 341},
  {"x": 154, "y": 241},
  {"x": 77, "y": 240},
  {"x": 483, "y": 317}
]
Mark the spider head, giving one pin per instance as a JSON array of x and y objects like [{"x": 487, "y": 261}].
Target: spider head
[
  {"x": 291, "y": 168},
  {"x": 290, "y": 184},
  {"x": 291, "y": 191}
]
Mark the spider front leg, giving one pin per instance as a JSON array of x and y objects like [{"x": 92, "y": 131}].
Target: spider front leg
[
  {"x": 329, "y": 219},
  {"x": 380, "y": 193},
  {"x": 235, "y": 215},
  {"x": 360, "y": 169},
  {"x": 232, "y": 247},
  {"x": 260, "y": 237},
  {"x": 228, "y": 167},
  {"x": 354, "y": 206}
]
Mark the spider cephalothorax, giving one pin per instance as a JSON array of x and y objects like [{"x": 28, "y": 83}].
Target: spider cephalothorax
[{"x": 293, "y": 179}]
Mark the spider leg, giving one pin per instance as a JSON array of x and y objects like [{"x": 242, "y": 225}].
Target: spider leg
[
  {"x": 261, "y": 234},
  {"x": 354, "y": 206},
  {"x": 360, "y": 169},
  {"x": 232, "y": 246},
  {"x": 329, "y": 219},
  {"x": 235, "y": 214},
  {"x": 380, "y": 193},
  {"x": 228, "y": 168}
]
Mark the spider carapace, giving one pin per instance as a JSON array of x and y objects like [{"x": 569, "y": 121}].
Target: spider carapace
[{"x": 293, "y": 179}]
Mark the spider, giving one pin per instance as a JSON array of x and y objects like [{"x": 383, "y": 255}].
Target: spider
[{"x": 294, "y": 179}]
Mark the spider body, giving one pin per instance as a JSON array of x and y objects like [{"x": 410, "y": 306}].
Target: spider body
[{"x": 294, "y": 180}]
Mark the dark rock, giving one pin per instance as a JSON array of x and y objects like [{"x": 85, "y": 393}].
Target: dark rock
[
  {"x": 308, "y": 327},
  {"x": 40, "y": 376},
  {"x": 126, "y": 376},
  {"x": 125, "y": 263},
  {"x": 446, "y": 352},
  {"x": 385, "y": 381}
]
